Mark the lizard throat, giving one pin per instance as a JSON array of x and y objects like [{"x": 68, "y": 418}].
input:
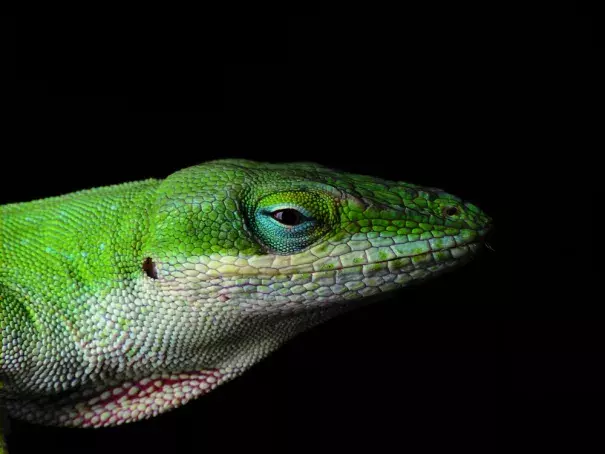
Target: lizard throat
[{"x": 124, "y": 402}]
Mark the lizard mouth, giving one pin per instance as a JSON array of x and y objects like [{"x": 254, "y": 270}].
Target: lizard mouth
[
  {"x": 402, "y": 261},
  {"x": 122, "y": 402},
  {"x": 469, "y": 251},
  {"x": 457, "y": 253}
]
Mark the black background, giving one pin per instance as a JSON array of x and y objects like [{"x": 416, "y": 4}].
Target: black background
[{"x": 503, "y": 354}]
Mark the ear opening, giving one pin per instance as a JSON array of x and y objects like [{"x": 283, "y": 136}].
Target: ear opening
[{"x": 149, "y": 268}]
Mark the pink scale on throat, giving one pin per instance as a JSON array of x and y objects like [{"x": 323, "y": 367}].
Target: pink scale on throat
[{"x": 135, "y": 400}]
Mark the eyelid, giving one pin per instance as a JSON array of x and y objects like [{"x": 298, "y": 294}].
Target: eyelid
[{"x": 284, "y": 206}]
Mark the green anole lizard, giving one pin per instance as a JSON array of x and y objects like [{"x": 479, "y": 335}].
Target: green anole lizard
[{"x": 121, "y": 302}]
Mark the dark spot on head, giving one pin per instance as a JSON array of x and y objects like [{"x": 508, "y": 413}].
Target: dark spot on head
[
  {"x": 150, "y": 269},
  {"x": 450, "y": 211}
]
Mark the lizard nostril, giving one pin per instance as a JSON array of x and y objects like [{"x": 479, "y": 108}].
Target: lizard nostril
[
  {"x": 450, "y": 211},
  {"x": 149, "y": 268}
]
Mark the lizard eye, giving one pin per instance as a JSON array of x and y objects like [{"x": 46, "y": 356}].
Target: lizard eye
[
  {"x": 290, "y": 221},
  {"x": 287, "y": 216}
]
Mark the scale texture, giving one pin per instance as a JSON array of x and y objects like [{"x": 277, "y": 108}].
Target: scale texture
[{"x": 121, "y": 302}]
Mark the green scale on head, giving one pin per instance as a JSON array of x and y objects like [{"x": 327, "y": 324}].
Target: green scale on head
[{"x": 118, "y": 303}]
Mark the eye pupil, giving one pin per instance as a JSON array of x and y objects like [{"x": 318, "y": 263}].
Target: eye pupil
[
  {"x": 451, "y": 211},
  {"x": 287, "y": 216}
]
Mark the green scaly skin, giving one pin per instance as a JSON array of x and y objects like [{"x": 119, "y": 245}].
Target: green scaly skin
[{"x": 121, "y": 302}]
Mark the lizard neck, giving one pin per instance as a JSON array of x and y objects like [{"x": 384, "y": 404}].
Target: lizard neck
[{"x": 54, "y": 254}]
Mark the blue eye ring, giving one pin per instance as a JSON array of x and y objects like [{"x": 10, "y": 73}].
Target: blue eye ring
[{"x": 287, "y": 227}]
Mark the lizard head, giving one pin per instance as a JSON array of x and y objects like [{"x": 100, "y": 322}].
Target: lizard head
[
  {"x": 257, "y": 238},
  {"x": 241, "y": 256}
]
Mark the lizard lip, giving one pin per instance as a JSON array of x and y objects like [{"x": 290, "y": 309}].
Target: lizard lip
[
  {"x": 468, "y": 250},
  {"x": 465, "y": 251}
]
